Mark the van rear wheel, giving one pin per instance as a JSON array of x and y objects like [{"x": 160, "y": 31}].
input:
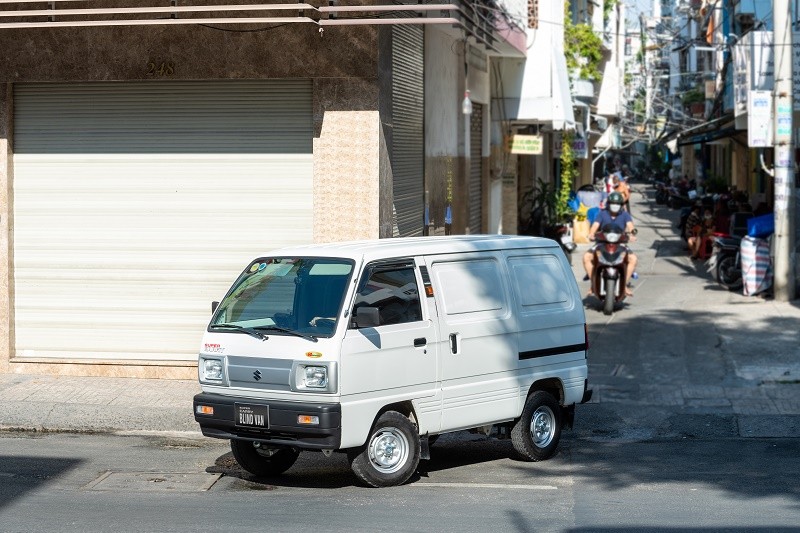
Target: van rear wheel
[
  {"x": 391, "y": 455},
  {"x": 262, "y": 461},
  {"x": 536, "y": 434}
]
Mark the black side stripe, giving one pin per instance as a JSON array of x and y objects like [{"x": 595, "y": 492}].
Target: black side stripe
[{"x": 558, "y": 350}]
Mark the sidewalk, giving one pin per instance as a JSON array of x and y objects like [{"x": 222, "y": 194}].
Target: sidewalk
[
  {"x": 682, "y": 353},
  {"x": 95, "y": 404}
]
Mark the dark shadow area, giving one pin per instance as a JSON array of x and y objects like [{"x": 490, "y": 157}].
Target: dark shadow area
[
  {"x": 23, "y": 474},
  {"x": 462, "y": 448},
  {"x": 312, "y": 470}
]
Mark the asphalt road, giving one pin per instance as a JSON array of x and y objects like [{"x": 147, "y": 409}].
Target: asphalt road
[{"x": 60, "y": 482}]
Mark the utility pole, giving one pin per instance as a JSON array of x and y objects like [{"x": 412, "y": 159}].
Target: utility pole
[{"x": 785, "y": 204}]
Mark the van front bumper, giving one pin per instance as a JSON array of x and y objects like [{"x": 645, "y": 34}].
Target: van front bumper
[{"x": 280, "y": 427}]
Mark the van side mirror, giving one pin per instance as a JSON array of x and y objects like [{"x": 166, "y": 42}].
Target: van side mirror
[
  {"x": 214, "y": 306},
  {"x": 366, "y": 317}
]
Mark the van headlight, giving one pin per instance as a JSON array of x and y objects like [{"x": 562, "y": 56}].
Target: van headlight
[
  {"x": 314, "y": 377},
  {"x": 211, "y": 370}
]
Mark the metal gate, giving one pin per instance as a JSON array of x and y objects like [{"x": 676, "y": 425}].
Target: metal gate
[
  {"x": 408, "y": 113},
  {"x": 476, "y": 169},
  {"x": 136, "y": 204}
]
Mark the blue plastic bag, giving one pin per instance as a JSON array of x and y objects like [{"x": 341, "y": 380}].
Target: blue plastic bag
[
  {"x": 761, "y": 227},
  {"x": 574, "y": 204}
]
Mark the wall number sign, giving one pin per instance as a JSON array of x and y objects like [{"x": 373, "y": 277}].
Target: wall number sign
[{"x": 160, "y": 69}]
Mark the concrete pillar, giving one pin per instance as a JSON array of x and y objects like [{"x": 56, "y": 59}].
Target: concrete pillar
[{"x": 6, "y": 243}]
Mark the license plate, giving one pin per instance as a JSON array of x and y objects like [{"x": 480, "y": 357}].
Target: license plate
[{"x": 252, "y": 415}]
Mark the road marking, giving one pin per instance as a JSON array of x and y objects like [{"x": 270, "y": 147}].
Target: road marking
[
  {"x": 485, "y": 486},
  {"x": 7, "y": 474}
]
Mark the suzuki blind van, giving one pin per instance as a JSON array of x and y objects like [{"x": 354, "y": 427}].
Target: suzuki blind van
[{"x": 375, "y": 348}]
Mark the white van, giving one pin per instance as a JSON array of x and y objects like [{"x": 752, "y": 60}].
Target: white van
[{"x": 375, "y": 348}]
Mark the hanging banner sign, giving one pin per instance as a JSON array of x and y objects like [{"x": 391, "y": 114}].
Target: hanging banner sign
[
  {"x": 580, "y": 146},
  {"x": 526, "y": 144},
  {"x": 759, "y": 119}
]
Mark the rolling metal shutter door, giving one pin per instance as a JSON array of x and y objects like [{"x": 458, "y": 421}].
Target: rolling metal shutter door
[
  {"x": 408, "y": 113},
  {"x": 137, "y": 204},
  {"x": 475, "y": 169}
]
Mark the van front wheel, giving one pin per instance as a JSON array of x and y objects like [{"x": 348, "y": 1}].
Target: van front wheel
[
  {"x": 535, "y": 435},
  {"x": 391, "y": 454}
]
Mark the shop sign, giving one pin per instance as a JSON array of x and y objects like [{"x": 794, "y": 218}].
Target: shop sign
[
  {"x": 526, "y": 144},
  {"x": 580, "y": 146}
]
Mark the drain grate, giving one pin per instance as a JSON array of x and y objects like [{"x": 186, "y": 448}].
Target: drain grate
[{"x": 153, "y": 482}]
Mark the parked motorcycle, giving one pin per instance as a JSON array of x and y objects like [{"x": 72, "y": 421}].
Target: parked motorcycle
[
  {"x": 610, "y": 265},
  {"x": 536, "y": 227},
  {"x": 726, "y": 262},
  {"x": 562, "y": 236}
]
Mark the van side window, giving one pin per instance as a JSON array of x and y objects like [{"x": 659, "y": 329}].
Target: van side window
[
  {"x": 541, "y": 283},
  {"x": 393, "y": 290},
  {"x": 472, "y": 288}
]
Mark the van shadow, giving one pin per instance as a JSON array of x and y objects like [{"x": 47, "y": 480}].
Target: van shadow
[{"x": 314, "y": 470}]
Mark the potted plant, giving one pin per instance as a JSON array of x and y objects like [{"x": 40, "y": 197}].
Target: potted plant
[{"x": 583, "y": 49}]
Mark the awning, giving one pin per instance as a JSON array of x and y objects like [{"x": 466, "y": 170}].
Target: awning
[
  {"x": 719, "y": 128},
  {"x": 554, "y": 109},
  {"x": 709, "y": 136},
  {"x": 606, "y": 140},
  {"x": 563, "y": 117}
]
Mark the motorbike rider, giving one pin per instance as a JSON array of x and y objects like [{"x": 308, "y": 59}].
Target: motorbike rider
[{"x": 616, "y": 216}]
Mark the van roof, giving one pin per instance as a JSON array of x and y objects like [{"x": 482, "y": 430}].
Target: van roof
[{"x": 370, "y": 250}]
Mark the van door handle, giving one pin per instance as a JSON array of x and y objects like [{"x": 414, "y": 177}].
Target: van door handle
[
  {"x": 454, "y": 343},
  {"x": 422, "y": 341}
]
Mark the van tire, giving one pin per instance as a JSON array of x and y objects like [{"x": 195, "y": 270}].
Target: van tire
[
  {"x": 262, "y": 461},
  {"x": 391, "y": 454},
  {"x": 536, "y": 434}
]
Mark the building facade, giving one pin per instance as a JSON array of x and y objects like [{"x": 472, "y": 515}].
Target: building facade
[{"x": 148, "y": 153}]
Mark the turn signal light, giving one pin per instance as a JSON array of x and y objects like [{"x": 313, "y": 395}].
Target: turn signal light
[
  {"x": 308, "y": 420},
  {"x": 205, "y": 410}
]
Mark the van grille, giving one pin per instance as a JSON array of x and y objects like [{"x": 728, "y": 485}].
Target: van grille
[{"x": 259, "y": 373}]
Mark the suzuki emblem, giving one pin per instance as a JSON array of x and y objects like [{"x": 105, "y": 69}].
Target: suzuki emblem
[{"x": 257, "y": 375}]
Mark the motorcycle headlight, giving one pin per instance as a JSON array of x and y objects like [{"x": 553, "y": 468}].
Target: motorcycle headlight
[{"x": 613, "y": 237}]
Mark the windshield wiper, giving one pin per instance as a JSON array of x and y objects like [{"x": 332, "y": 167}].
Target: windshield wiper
[
  {"x": 287, "y": 330},
  {"x": 250, "y": 331}
]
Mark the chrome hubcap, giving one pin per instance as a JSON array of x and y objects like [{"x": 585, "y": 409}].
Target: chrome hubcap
[
  {"x": 388, "y": 450},
  {"x": 543, "y": 426}
]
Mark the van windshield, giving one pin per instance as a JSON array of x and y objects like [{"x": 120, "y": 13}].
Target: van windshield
[{"x": 286, "y": 296}]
